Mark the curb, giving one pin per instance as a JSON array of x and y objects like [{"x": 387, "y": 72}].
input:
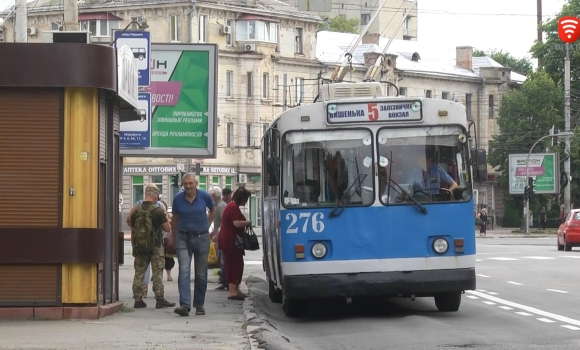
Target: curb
[
  {"x": 252, "y": 322},
  {"x": 528, "y": 236}
]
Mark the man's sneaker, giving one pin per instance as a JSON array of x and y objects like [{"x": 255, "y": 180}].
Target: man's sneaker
[
  {"x": 182, "y": 311},
  {"x": 161, "y": 303},
  {"x": 139, "y": 304}
]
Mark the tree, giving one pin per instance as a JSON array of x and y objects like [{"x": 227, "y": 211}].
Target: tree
[
  {"x": 518, "y": 65},
  {"x": 525, "y": 115},
  {"x": 343, "y": 25},
  {"x": 551, "y": 53}
]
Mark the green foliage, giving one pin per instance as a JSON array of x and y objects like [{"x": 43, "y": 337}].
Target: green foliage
[
  {"x": 511, "y": 217},
  {"x": 551, "y": 53},
  {"x": 342, "y": 25},
  {"x": 518, "y": 65}
]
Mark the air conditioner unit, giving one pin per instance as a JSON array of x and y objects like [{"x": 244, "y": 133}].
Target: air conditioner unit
[
  {"x": 31, "y": 30},
  {"x": 226, "y": 30},
  {"x": 242, "y": 178},
  {"x": 250, "y": 47}
]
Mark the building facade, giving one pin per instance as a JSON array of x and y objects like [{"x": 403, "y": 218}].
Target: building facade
[
  {"x": 267, "y": 63},
  {"x": 476, "y": 82}
]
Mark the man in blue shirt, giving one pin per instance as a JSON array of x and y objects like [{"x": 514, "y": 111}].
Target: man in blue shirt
[
  {"x": 190, "y": 224},
  {"x": 429, "y": 181}
]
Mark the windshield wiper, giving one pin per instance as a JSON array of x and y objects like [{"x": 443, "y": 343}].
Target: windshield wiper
[
  {"x": 339, "y": 207},
  {"x": 408, "y": 198}
]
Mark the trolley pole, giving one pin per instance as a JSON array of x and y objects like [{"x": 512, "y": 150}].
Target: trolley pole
[{"x": 567, "y": 127}]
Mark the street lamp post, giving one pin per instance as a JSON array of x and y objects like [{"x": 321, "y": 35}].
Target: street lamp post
[{"x": 527, "y": 200}]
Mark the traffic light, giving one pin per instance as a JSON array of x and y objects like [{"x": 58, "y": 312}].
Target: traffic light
[
  {"x": 175, "y": 180},
  {"x": 531, "y": 182},
  {"x": 554, "y": 132}
]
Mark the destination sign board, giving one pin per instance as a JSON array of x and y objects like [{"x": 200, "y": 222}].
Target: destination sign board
[{"x": 374, "y": 112}]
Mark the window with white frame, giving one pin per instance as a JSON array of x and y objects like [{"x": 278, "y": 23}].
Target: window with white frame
[
  {"x": 298, "y": 40},
  {"x": 249, "y": 135},
  {"x": 135, "y": 20},
  {"x": 265, "y": 86},
  {"x": 99, "y": 27},
  {"x": 402, "y": 91},
  {"x": 468, "y": 105},
  {"x": 202, "y": 28},
  {"x": 229, "y": 83},
  {"x": 250, "y": 84},
  {"x": 229, "y": 37},
  {"x": 174, "y": 29},
  {"x": 299, "y": 90},
  {"x": 257, "y": 30},
  {"x": 276, "y": 88},
  {"x": 55, "y": 26},
  {"x": 230, "y": 135}
]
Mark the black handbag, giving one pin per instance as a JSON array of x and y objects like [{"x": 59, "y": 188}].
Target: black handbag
[{"x": 250, "y": 239}]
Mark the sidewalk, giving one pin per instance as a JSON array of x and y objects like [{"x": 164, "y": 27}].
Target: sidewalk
[
  {"x": 223, "y": 327},
  {"x": 507, "y": 232}
]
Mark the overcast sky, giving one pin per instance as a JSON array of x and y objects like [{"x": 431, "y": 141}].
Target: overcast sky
[{"x": 492, "y": 24}]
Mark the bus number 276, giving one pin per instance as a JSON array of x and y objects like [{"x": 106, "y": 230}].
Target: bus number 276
[{"x": 303, "y": 219}]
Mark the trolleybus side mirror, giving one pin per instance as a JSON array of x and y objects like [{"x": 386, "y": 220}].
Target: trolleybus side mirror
[
  {"x": 273, "y": 171},
  {"x": 479, "y": 162}
]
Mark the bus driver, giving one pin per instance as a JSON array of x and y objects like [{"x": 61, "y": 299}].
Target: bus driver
[{"x": 426, "y": 178}]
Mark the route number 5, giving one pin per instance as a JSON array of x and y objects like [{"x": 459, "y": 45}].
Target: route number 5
[
  {"x": 304, "y": 218},
  {"x": 373, "y": 112}
]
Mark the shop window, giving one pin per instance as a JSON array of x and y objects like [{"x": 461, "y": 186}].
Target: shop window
[
  {"x": 228, "y": 182},
  {"x": 202, "y": 183},
  {"x": 158, "y": 181},
  {"x": 215, "y": 180},
  {"x": 137, "y": 188}
]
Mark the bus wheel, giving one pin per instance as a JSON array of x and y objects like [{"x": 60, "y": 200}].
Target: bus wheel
[
  {"x": 274, "y": 294},
  {"x": 293, "y": 307},
  {"x": 448, "y": 301}
]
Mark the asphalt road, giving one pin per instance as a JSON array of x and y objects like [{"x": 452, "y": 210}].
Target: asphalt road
[{"x": 527, "y": 298}]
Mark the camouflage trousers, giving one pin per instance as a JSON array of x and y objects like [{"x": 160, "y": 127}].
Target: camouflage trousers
[{"x": 157, "y": 260}]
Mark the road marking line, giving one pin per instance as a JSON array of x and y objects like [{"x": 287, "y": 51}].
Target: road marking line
[
  {"x": 480, "y": 275},
  {"x": 516, "y": 283},
  {"x": 557, "y": 291},
  {"x": 503, "y": 259},
  {"x": 570, "y": 327},
  {"x": 523, "y": 313},
  {"x": 498, "y": 253},
  {"x": 547, "y": 320},
  {"x": 253, "y": 262},
  {"x": 482, "y": 290},
  {"x": 489, "y": 302},
  {"x": 539, "y": 257},
  {"x": 492, "y": 293},
  {"x": 506, "y": 307},
  {"x": 527, "y": 308},
  {"x": 571, "y": 256},
  {"x": 472, "y": 297},
  {"x": 478, "y": 260}
]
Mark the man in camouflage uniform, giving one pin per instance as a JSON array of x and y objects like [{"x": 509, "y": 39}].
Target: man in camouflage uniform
[{"x": 156, "y": 258}]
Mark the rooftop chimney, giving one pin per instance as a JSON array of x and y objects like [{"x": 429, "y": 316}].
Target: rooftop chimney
[
  {"x": 464, "y": 56},
  {"x": 371, "y": 38}
]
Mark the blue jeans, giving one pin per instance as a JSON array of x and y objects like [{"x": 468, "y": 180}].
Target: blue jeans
[{"x": 198, "y": 246}]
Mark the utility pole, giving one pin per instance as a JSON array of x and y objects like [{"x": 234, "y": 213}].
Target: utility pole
[
  {"x": 71, "y": 16},
  {"x": 21, "y": 25},
  {"x": 539, "y": 13},
  {"x": 567, "y": 128}
]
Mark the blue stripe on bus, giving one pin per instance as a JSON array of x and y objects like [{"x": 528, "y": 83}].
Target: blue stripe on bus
[{"x": 377, "y": 232}]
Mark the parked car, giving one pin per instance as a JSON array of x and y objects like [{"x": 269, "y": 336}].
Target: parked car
[{"x": 569, "y": 231}]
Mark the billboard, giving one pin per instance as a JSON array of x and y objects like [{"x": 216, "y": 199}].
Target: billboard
[
  {"x": 183, "y": 92},
  {"x": 544, "y": 167}
]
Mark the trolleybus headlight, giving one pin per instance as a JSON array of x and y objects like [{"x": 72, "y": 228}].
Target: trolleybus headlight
[
  {"x": 440, "y": 246},
  {"x": 332, "y": 108},
  {"x": 319, "y": 250}
]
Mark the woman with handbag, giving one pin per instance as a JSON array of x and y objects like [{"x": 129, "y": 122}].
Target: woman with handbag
[{"x": 231, "y": 239}]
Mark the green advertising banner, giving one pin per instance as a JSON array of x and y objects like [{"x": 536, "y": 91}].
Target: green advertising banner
[
  {"x": 544, "y": 167},
  {"x": 183, "y": 93}
]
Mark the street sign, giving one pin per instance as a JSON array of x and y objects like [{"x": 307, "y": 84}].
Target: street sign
[
  {"x": 544, "y": 167},
  {"x": 140, "y": 44},
  {"x": 184, "y": 102},
  {"x": 136, "y": 133}
]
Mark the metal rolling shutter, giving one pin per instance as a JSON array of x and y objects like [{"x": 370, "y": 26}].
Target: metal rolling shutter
[{"x": 30, "y": 154}]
